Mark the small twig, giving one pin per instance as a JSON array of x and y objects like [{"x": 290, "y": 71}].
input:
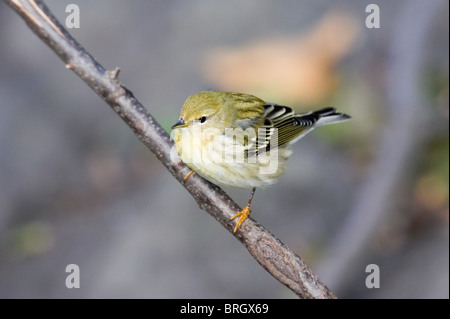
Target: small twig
[{"x": 270, "y": 252}]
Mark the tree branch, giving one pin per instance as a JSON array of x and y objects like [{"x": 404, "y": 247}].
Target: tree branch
[{"x": 281, "y": 262}]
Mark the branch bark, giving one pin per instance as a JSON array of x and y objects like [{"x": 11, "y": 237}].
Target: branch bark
[{"x": 280, "y": 261}]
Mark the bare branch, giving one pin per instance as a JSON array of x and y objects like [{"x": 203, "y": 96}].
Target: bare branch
[{"x": 270, "y": 252}]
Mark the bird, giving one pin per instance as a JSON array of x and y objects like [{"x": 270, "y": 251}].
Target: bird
[{"x": 239, "y": 140}]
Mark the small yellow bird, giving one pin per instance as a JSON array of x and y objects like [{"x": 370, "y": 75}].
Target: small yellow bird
[{"x": 237, "y": 139}]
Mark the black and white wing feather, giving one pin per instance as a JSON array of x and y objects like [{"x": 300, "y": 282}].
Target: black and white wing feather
[{"x": 283, "y": 126}]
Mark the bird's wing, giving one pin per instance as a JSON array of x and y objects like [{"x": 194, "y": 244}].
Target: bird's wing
[
  {"x": 288, "y": 125},
  {"x": 283, "y": 126}
]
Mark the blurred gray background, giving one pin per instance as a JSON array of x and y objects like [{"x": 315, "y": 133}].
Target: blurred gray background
[{"x": 77, "y": 187}]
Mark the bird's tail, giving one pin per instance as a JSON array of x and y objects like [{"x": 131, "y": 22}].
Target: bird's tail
[{"x": 321, "y": 117}]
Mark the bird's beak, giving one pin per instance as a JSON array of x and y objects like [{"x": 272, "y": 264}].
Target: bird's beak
[{"x": 181, "y": 123}]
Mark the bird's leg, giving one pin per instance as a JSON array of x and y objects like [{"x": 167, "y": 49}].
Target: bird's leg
[
  {"x": 244, "y": 213},
  {"x": 189, "y": 174}
]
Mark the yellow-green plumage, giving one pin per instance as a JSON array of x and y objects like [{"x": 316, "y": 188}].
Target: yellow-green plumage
[
  {"x": 240, "y": 140},
  {"x": 232, "y": 108}
]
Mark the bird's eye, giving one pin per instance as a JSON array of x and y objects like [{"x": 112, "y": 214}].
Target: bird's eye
[{"x": 202, "y": 119}]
